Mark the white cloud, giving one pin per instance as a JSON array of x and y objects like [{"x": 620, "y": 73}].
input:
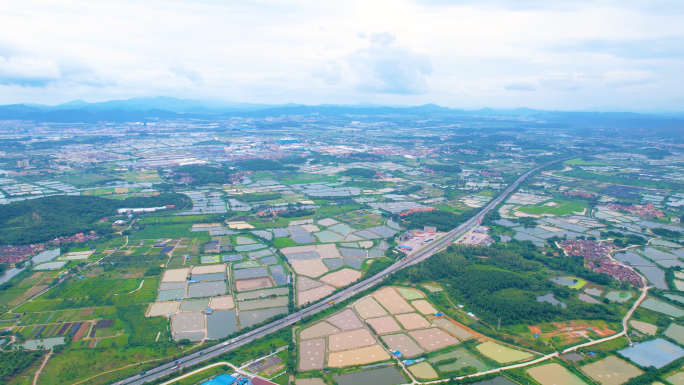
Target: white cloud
[
  {"x": 463, "y": 53},
  {"x": 619, "y": 79}
]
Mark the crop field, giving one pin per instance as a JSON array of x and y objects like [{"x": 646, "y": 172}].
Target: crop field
[
  {"x": 410, "y": 294},
  {"x": 611, "y": 371},
  {"x": 554, "y": 374},
  {"x": 360, "y": 356},
  {"x": 423, "y": 370},
  {"x": 163, "y": 231},
  {"x": 502, "y": 354},
  {"x": 561, "y": 209}
]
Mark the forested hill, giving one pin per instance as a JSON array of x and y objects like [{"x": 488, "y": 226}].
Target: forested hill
[
  {"x": 43, "y": 219},
  {"x": 503, "y": 281}
]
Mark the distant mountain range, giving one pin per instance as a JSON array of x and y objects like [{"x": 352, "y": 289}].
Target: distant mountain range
[{"x": 145, "y": 109}]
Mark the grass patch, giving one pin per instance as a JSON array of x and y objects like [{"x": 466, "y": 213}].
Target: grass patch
[
  {"x": 280, "y": 243},
  {"x": 163, "y": 231}
]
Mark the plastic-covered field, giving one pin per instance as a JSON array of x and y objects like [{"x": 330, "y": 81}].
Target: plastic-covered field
[{"x": 657, "y": 352}]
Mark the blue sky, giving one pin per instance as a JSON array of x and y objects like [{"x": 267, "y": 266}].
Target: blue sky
[{"x": 622, "y": 55}]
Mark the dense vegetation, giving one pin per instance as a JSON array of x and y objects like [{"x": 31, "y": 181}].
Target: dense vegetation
[
  {"x": 203, "y": 174},
  {"x": 14, "y": 362},
  {"x": 40, "y": 220},
  {"x": 665, "y": 233},
  {"x": 443, "y": 220},
  {"x": 362, "y": 172},
  {"x": 503, "y": 281},
  {"x": 296, "y": 213},
  {"x": 261, "y": 165},
  {"x": 445, "y": 168}
]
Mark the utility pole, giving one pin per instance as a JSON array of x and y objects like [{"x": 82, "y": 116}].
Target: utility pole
[{"x": 499, "y": 327}]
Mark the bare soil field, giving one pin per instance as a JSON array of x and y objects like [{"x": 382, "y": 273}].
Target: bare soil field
[
  {"x": 433, "y": 339},
  {"x": 311, "y": 268},
  {"x": 254, "y": 283},
  {"x": 392, "y": 301},
  {"x": 209, "y": 269},
  {"x": 403, "y": 343},
  {"x": 314, "y": 295},
  {"x": 320, "y": 329},
  {"x": 328, "y": 251},
  {"x": 369, "y": 308},
  {"x": 187, "y": 322},
  {"x": 346, "y": 320},
  {"x": 342, "y": 277},
  {"x": 162, "y": 308},
  {"x": 453, "y": 328},
  {"x": 350, "y": 340},
  {"x": 298, "y": 249},
  {"x": 222, "y": 303},
  {"x": 312, "y": 354},
  {"x": 412, "y": 321},
  {"x": 176, "y": 275},
  {"x": 304, "y": 283},
  {"x": 424, "y": 307},
  {"x": 611, "y": 371},
  {"x": 384, "y": 325},
  {"x": 358, "y": 357}
]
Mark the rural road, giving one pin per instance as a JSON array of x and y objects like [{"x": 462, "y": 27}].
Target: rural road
[{"x": 263, "y": 331}]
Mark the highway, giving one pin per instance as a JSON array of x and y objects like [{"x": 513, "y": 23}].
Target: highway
[{"x": 428, "y": 251}]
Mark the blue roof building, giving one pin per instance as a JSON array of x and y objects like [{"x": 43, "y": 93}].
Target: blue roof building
[{"x": 223, "y": 379}]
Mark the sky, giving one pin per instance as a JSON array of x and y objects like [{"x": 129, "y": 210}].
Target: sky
[{"x": 602, "y": 55}]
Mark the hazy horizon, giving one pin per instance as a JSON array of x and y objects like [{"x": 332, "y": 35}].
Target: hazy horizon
[{"x": 602, "y": 55}]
